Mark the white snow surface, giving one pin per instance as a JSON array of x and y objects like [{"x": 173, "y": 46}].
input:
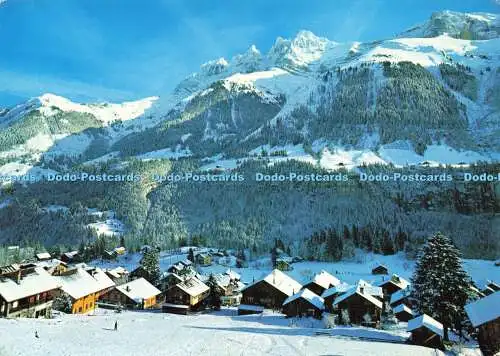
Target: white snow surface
[
  {"x": 309, "y": 296},
  {"x": 166, "y": 153},
  {"x": 106, "y": 113},
  {"x": 428, "y": 322},
  {"x": 78, "y": 284},
  {"x": 31, "y": 284},
  {"x": 222, "y": 333},
  {"x": 138, "y": 290},
  {"x": 283, "y": 282},
  {"x": 484, "y": 310},
  {"x": 325, "y": 280}
]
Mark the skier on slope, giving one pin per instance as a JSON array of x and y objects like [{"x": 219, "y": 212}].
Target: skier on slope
[{"x": 116, "y": 325}]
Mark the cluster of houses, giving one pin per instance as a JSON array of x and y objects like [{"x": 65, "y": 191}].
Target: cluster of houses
[
  {"x": 365, "y": 304},
  {"x": 30, "y": 289}
]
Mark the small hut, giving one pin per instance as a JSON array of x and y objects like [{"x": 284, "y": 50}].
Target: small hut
[
  {"x": 426, "y": 331},
  {"x": 304, "y": 303}
]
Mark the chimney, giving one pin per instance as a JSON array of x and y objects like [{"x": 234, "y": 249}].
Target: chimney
[{"x": 18, "y": 277}]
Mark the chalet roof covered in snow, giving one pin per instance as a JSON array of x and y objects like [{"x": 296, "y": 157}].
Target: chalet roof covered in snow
[
  {"x": 484, "y": 310},
  {"x": 400, "y": 294},
  {"x": 325, "y": 280},
  {"x": 101, "y": 278},
  {"x": 117, "y": 272},
  {"x": 38, "y": 281},
  {"x": 193, "y": 286},
  {"x": 309, "y": 296},
  {"x": 362, "y": 292},
  {"x": 428, "y": 322},
  {"x": 43, "y": 256},
  {"x": 341, "y": 288},
  {"x": 402, "y": 308},
  {"x": 138, "y": 290},
  {"x": 396, "y": 280},
  {"x": 78, "y": 283},
  {"x": 233, "y": 275},
  {"x": 282, "y": 282}
]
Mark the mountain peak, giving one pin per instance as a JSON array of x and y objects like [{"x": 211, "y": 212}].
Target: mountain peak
[
  {"x": 305, "y": 48},
  {"x": 215, "y": 66},
  {"x": 470, "y": 26}
]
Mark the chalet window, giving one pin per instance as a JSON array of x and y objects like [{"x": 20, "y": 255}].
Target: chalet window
[
  {"x": 15, "y": 304},
  {"x": 32, "y": 299},
  {"x": 80, "y": 309},
  {"x": 249, "y": 299}
]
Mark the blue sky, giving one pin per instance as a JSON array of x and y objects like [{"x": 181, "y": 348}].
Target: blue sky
[{"x": 115, "y": 50}]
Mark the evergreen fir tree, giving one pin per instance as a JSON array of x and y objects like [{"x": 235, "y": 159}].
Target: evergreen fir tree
[
  {"x": 215, "y": 292},
  {"x": 440, "y": 284},
  {"x": 151, "y": 264},
  {"x": 387, "y": 244},
  {"x": 274, "y": 257},
  {"x": 63, "y": 303},
  {"x": 190, "y": 255}
]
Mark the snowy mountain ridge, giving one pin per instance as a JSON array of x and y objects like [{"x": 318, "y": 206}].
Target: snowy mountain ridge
[{"x": 477, "y": 26}]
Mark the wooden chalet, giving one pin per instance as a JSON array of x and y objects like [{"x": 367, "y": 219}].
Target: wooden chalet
[
  {"x": 43, "y": 256},
  {"x": 176, "y": 268},
  {"x": 191, "y": 292},
  {"x": 231, "y": 289},
  {"x": 271, "y": 291},
  {"x": 26, "y": 291},
  {"x": 118, "y": 275},
  {"x": 304, "y": 304},
  {"x": 392, "y": 285},
  {"x": 380, "y": 269},
  {"x": 169, "y": 280},
  {"x": 332, "y": 293},
  {"x": 403, "y": 313},
  {"x": 203, "y": 259},
  {"x": 140, "y": 272},
  {"x": 53, "y": 266},
  {"x": 426, "y": 331},
  {"x": 360, "y": 302},
  {"x": 283, "y": 264},
  {"x": 70, "y": 257},
  {"x": 83, "y": 289},
  {"x": 484, "y": 315},
  {"x": 321, "y": 282},
  {"x": 137, "y": 294},
  {"x": 402, "y": 296}
]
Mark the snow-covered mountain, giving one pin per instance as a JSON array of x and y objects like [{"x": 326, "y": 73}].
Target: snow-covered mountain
[
  {"x": 349, "y": 96},
  {"x": 476, "y": 26}
]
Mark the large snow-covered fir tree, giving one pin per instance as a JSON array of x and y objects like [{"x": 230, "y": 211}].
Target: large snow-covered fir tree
[
  {"x": 441, "y": 287},
  {"x": 151, "y": 264},
  {"x": 215, "y": 292}
]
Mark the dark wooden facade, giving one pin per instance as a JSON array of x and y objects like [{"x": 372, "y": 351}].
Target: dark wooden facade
[
  {"x": 264, "y": 294},
  {"x": 315, "y": 288},
  {"x": 300, "y": 307},
  {"x": 403, "y": 316},
  {"x": 358, "y": 307},
  {"x": 176, "y": 295},
  {"x": 380, "y": 269},
  {"x": 489, "y": 337},
  {"x": 425, "y": 337}
]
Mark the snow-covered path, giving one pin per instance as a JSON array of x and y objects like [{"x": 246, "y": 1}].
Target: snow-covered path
[{"x": 148, "y": 333}]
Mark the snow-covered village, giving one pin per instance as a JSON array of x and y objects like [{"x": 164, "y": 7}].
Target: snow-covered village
[{"x": 198, "y": 300}]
